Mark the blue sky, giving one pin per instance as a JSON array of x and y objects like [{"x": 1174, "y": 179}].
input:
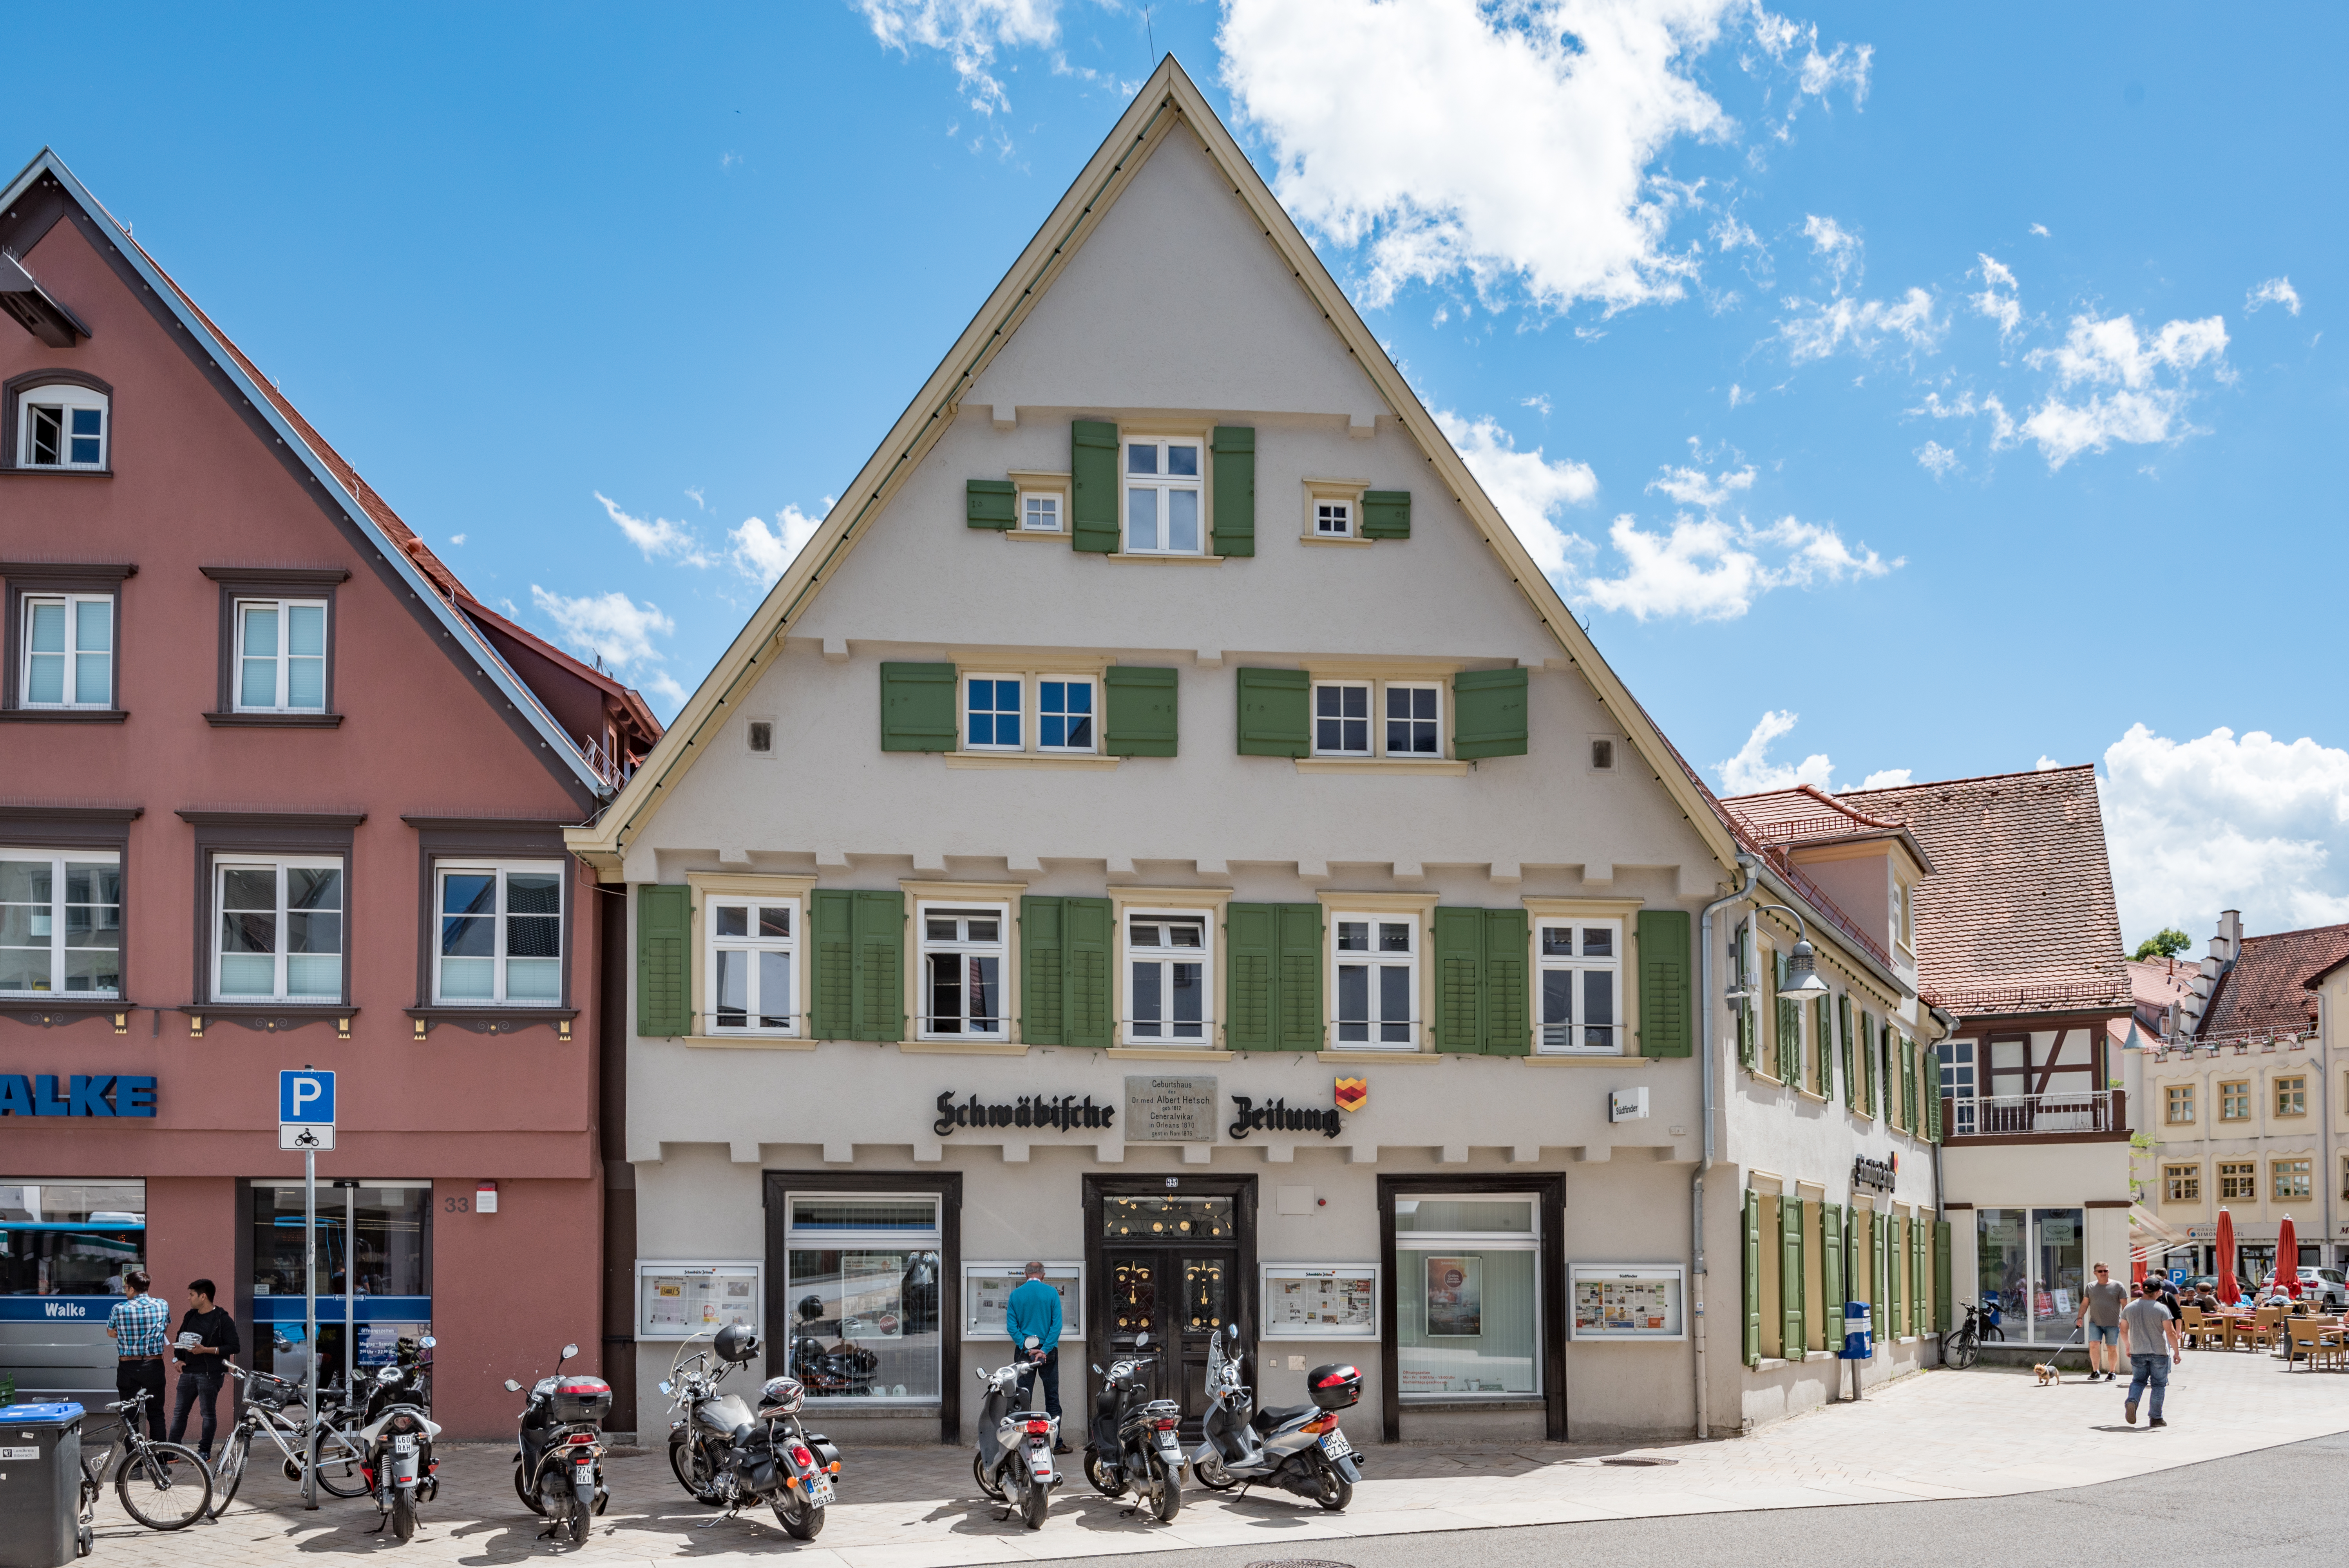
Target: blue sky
[{"x": 1891, "y": 388}]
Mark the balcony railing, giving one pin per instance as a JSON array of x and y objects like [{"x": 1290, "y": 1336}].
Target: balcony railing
[{"x": 2045, "y": 1115}]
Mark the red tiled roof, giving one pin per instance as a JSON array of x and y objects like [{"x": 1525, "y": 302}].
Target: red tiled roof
[
  {"x": 2266, "y": 989},
  {"x": 1805, "y": 815},
  {"x": 2019, "y": 916}
]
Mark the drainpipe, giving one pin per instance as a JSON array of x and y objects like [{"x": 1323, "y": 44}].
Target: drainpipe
[
  {"x": 1708, "y": 998},
  {"x": 1940, "y": 1194}
]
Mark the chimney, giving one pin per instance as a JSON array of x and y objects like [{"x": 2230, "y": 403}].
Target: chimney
[{"x": 2228, "y": 946}]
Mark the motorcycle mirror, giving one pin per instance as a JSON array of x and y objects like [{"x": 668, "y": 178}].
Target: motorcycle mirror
[
  {"x": 514, "y": 1387},
  {"x": 569, "y": 1351},
  {"x": 1033, "y": 1341},
  {"x": 1141, "y": 1340},
  {"x": 1096, "y": 1371},
  {"x": 1234, "y": 1330},
  {"x": 427, "y": 1343},
  {"x": 664, "y": 1388}
]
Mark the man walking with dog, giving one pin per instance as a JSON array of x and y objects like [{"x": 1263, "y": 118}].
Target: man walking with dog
[
  {"x": 2100, "y": 1315},
  {"x": 2153, "y": 1346}
]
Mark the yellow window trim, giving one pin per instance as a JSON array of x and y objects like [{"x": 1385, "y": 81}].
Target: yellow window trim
[
  {"x": 747, "y": 884},
  {"x": 1430, "y": 767}
]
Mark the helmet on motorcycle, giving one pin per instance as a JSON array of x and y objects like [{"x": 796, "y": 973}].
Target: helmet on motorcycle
[
  {"x": 737, "y": 1343},
  {"x": 810, "y": 1308},
  {"x": 781, "y": 1397}
]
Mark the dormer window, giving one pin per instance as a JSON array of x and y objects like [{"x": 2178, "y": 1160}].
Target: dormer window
[{"x": 62, "y": 427}]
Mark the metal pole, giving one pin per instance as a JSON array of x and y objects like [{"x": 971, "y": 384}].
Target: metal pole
[
  {"x": 310, "y": 1313},
  {"x": 350, "y": 1283}
]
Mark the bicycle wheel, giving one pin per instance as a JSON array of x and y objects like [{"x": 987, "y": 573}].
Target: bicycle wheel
[
  {"x": 339, "y": 1459},
  {"x": 229, "y": 1475},
  {"x": 1961, "y": 1351},
  {"x": 164, "y": 1486}
]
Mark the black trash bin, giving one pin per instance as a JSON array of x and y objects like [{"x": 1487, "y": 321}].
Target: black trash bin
[{"x": 40, "y": 1485}]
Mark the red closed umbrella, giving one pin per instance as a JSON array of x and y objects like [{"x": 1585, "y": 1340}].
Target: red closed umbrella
[
  {"x": 2287, "y": 1269},
  {"x": 2229, "y": 1294}
]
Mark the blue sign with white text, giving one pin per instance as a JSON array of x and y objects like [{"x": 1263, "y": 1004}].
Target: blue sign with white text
[
  {"x": 83, "y": 1093},
  {"x": 306, "y": 1096}
]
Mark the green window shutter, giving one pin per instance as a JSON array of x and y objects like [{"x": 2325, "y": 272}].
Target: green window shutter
[
  {"x": 1386, "y": 514},
  {"x": 1092, "y": 486},
  {"x": 990, "y": 503},
  {"x": 1826, "y": 1048},
  {"x": 1232, "y": 526},
  {"x": 1140, "y": 714},
  {"x": 1275, "y": 720},
  {"x": 1663, "y": 936},
  {"x": 1459, "y": 979},
  {"x": 1507, "y": 1024},
  {"x": 664, "y": 952},
  {"x": 1907, "y": 1083},
  {"x": 1043, "y": 969},
  {"x": 1749, "y": 1017},
  {"x": 1831, "y": 1274},
  {"x": 1843, "y": 1037},
  {"x": 1085, "y": 932},
  {"x": 1794, "y": 1338},
  {"x": 917, "y": 707},
  {"x": 880, "y": 967},
  {"x": 1879, "y": 1242},
  {"x": 1488, "y": 714},
  {"x": 1251, "y": 934},
  {"x": 831, "y": 918},
  {"x": 1753, "y": 1278},
  {"x": 1921, "y": 1254},
  {"x": 1790, "y": 1041},
  {"x": 1928, "y": 1070},
  {"x": 1297, "y": 1001},
  {"x": 1944, "y": 1312}
]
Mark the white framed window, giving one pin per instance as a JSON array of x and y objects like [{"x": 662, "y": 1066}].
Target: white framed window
[
  {"x": 1374, "y": 966},
  {"x": 68, "y": 653},
  {"x": 278, "y": 930},
  {"x": 1580, "y": 965},
  {"x": 1415, "y": 714},
  {"x": 1067, "y": 712},
  {"x": 501, "y": 938},
  {"x": 864, "y": 1274},
  {"x": 1164, "y": 504},
  {"x": 1468, "y": 1299},
  {"x": 60, "y": 923},
  {"x": 1342, "y": 718},
  {"x": 1040, "y": 511},
  {"x": 281, "y": 655},
  {"x": 61, "y": 426},
  {"x": 1169, "y": 974},
  {"x": 964, "y": 951},
  {"x": 754, "y": 964},
  {"x": 992, "y": 711},
  {"x": 1333, "y": 520}
]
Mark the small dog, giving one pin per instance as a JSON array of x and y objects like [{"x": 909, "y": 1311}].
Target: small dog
[{"x": 2048, "y": 1373}]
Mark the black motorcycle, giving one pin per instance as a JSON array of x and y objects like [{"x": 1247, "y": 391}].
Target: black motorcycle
[
  {"x": 701, "y": 1439},
  {"x": 396, "y": 1433},
  {"x": 842, "y": 1371},
  {"x": 559, "y": 1468},
  {"x": 777, "y": 1462},
  {"x": 1131, "y": 1441}
]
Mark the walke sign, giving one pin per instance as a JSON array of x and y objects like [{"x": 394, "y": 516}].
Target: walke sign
[{"x": 85, "y": 1094}]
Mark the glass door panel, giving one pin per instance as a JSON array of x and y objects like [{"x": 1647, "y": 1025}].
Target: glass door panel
[{"x": 2059, "y": 1259}]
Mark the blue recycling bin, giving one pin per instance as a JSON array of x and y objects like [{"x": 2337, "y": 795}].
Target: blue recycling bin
[
  {"x": 40, "y": 1485},
  {"x": 1859, "y": 1332}
]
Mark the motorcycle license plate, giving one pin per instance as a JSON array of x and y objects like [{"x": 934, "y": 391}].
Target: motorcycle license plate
[
  {"x": 403, "y": 1445},
  {"x": 1334, "y": 1446},
  {"x": 1040, "y": 1463},
  {"x": 819, "y": 1491}
]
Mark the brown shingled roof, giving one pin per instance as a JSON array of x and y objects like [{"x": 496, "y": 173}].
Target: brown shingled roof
[
  {"x": 2266, "y": 990},
  {"x": 2019, "y": 916}
]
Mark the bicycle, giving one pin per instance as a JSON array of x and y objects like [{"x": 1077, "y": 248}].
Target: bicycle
[
  {"x": 264, "y": 1399},
  {"x": 1960, "y": 1350},
  {"x": 156, "y": 1483}
]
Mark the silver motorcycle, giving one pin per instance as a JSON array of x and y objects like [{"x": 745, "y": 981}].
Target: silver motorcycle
[
  {"x": 1297, "y": 1448},
  {"x": 701, "y": 1438}
]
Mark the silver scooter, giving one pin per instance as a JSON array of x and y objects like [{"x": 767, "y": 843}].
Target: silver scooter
[
  {"x": 1014, "y": 1464},
  {"x": 1298, "y": 1448}
]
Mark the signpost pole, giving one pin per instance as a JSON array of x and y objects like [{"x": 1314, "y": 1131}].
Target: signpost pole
[
  {"x": 310, "y": 1315},
  {"x": 350, "y": 1281}
]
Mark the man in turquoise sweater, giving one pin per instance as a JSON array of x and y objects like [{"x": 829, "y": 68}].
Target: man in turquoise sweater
[{"x": 1035, "y": 1309}]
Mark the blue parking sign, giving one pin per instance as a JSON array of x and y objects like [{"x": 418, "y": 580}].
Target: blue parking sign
[{"x": 306, "y": 1097}]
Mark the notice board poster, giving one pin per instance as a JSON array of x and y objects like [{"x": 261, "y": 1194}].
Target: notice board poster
[
  {"x": 1321, "y": 1301},
  {"x": 678, "y": 1300},
  {"x": 986, "y": 1297},
  {"x": 1627, "y": 1301}
]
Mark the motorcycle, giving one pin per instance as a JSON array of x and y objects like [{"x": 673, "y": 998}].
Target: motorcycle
[
  {"x": 1297, "y": 1448},
  {"x": 559, "y": 1468},
  {"x": 1014, "y": 1464},
  {"x": 396, "y": 1437},
  {"x": 1133, "y": 1441},
  {"x": 701, "y": 1440},
  {"x": 775, "y": 1461},
  {"x": 843, "y": 1370}
]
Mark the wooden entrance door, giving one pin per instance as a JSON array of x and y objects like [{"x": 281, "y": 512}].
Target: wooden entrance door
[{"x": 1178, "y": 1263}]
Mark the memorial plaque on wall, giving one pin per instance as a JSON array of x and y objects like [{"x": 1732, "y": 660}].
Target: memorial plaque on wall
[{"x": 1169, "y": 1109}]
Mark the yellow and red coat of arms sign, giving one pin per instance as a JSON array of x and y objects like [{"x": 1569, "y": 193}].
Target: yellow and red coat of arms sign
[{"x": 1354, "y": 1094}]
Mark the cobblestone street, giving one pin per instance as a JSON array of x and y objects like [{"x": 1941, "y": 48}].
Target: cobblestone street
[{"x": 1939, "y": 1435}]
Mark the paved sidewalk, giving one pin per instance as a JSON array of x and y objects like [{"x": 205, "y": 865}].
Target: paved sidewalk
[{"x": 1983, "y": 1433}]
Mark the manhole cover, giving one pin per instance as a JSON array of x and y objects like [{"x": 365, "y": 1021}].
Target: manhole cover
[
  {"x": 1637, "y": 1460},
  {"x": 1299, "y": 1563}
]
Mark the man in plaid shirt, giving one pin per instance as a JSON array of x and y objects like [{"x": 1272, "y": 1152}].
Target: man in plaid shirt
[{"x": 137, "y": 1327}]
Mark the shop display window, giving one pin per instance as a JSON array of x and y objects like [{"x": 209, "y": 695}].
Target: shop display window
[
  {"x": 376, "y": 1237},
  {"x": 1467, "y": 1296},
  {"x": 70, "y": 1238},
  {"x": 862, "y": 1290},
  {"x": 2031, "y": 1265}
]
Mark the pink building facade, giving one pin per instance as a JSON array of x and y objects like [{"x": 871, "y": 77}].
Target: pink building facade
[{"x": 275, "y": 791}]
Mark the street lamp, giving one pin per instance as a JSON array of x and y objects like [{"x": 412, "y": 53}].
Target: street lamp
[{"x": 1803, "y": 981}]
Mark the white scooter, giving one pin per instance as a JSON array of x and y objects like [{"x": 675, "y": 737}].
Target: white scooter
[
  {"x": 1298, "y": 1448},
  {"x": 1014, "y": 1464}
]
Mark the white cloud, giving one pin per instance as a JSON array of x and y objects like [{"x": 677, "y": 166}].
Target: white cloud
[
  {"x": 695, "y": 493},
  {"x": 2140, "y": 410},
  {"x": 1751, "y": 771},
  {"x": 1694, "y": 487},
  {"x": 2001, "y": 423},
  {"x": 1507, "y": 144},
  {"x": 457, "y": 538},
  {"x": 659, "y": 537},
  {"x": 664, "y": 686},
  {"x": 1937, "y": 459},
  {"x": 1887, "y": 778},
  {"x": 2039, "y": 229},
  {"x": 1538, "y": 402},
  {"x": 2003, "y": 307},
  {"x": 2046, "y": 764},
  {"x": 2275, "y": 291},
  {"x": 611, "y": 626},
  {"x": 968, "y": 32},
  {"x": 1738, "y": 395},
  {"x": 764, "y": 553},
  {"x": 2245, "y": 823},
  {"x": 1710, "y": 570},
  {"x": 1837, "y": 246},
  {"x": 1816, "y": 330},
  {"x": 1526, "y": 486}
]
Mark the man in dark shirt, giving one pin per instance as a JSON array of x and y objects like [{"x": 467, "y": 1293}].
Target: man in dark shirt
[{"x": 206, "y": 1341}]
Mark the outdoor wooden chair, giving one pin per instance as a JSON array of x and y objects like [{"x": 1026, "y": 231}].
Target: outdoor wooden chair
[
  {"x": 2310, "y": 1343},
  {"x": 2191, "y": 1319},
  {"x": 2265, "y": 1331}
]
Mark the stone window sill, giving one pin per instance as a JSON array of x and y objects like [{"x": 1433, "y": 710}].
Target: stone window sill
[
  {"x": 64, "y": 715},
  {"x": 1441, "y": 767},
  {"x": 1079, "y": 761},
  {"x": 275, "y": 720},
  {"x": 1343, "y": 541},
  {"x": 1168, "y": 559}
]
